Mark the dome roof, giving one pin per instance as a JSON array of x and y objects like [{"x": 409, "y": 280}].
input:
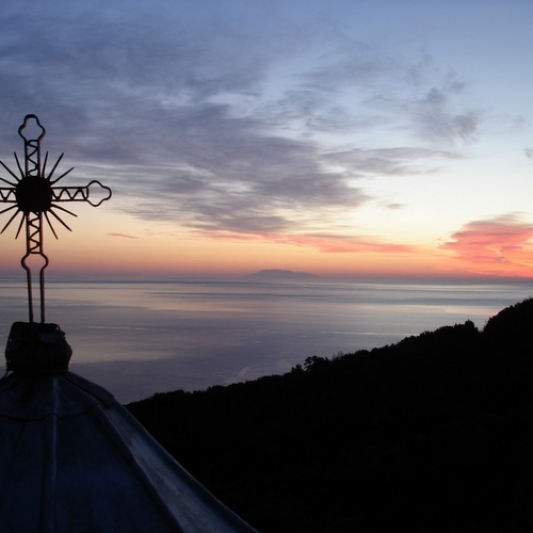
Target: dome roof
[{"x": 73, "y": 459}]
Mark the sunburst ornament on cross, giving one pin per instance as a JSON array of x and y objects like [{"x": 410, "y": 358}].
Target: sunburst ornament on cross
[{"x": 35, "y": 197}]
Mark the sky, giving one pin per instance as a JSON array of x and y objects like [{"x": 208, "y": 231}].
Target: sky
[{"x": 345, "y": 138}]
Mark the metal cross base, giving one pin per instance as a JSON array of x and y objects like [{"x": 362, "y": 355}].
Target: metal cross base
[
  {"x": 34, "y": 198},
  {"x": 37, "y": 349}
]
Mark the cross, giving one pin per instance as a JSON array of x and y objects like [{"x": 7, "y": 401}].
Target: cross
[{"x": 34, "y": 198}]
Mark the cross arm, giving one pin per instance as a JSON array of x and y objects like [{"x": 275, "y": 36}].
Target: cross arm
[
  {"x": 7, "y": 195},
  {"x": 93, "y": 193}
]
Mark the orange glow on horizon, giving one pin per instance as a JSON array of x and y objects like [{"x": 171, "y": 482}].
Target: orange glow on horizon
[
  {"x": 129, "y": 257},
  {"x": 498, "y": 249}
]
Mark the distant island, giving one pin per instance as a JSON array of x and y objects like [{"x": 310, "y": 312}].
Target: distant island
[{"x": 274, "y": 275}]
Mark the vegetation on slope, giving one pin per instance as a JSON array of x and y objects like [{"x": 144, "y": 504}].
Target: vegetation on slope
[{"x": 433, "y": 433}]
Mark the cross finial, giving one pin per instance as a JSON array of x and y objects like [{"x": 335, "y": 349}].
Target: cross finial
[{"x": 35, "y": 197}]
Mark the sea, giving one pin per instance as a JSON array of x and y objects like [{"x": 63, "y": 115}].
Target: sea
[{"x": 139, "y": 337}]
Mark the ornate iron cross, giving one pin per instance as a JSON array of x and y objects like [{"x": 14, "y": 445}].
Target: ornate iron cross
[{"x": 35, "y": 197}]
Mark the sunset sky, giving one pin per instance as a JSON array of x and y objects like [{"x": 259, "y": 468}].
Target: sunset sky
[{"x": 338, "y": 137}]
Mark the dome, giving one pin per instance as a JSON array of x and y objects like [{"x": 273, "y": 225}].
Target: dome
[{"x": 72, "y": 459}]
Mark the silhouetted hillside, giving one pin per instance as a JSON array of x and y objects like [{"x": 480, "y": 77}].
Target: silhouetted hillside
[{"x": 434, "y": 433}]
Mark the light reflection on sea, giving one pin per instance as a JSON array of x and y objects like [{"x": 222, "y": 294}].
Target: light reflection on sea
[{"x": 140, "y": 337}]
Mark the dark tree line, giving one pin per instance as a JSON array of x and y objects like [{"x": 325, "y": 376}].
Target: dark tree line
[{"x": 434, "y": 433}]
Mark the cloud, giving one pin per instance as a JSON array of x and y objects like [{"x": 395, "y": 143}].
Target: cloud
[
  {"x": 200, "y": 120},
  {"x": 432, "y": 106},
  {"x": 396, "y": 161},
  {"x": 344, "y": 244},
  {"x": 394, "y": 206},
  {"x": 270, "y": 184},
  {"x": 440, "y": 114},
  {"x": 122, "y": 236},
  {"x": 329, "y": 243},
  {"x": 500, "y": 246}
]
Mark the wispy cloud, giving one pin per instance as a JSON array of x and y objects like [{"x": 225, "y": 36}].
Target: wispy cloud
[
  {"x": 265, "y": 186},
  {"x": 327, "y": 242},
  {"x": 499, "y": 246},
  {"x": 434, "y": 117},
  {"x": 344, "y": 244},
  {"x": 122, "y": 236},
  {"x": 216, "y": 125}
]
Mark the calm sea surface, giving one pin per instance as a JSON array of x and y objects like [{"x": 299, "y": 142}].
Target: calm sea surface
[{"x": 137, "y": 338}]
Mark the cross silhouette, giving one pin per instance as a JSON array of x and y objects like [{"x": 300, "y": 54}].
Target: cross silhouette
[{"x": 34, "y": 197}]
